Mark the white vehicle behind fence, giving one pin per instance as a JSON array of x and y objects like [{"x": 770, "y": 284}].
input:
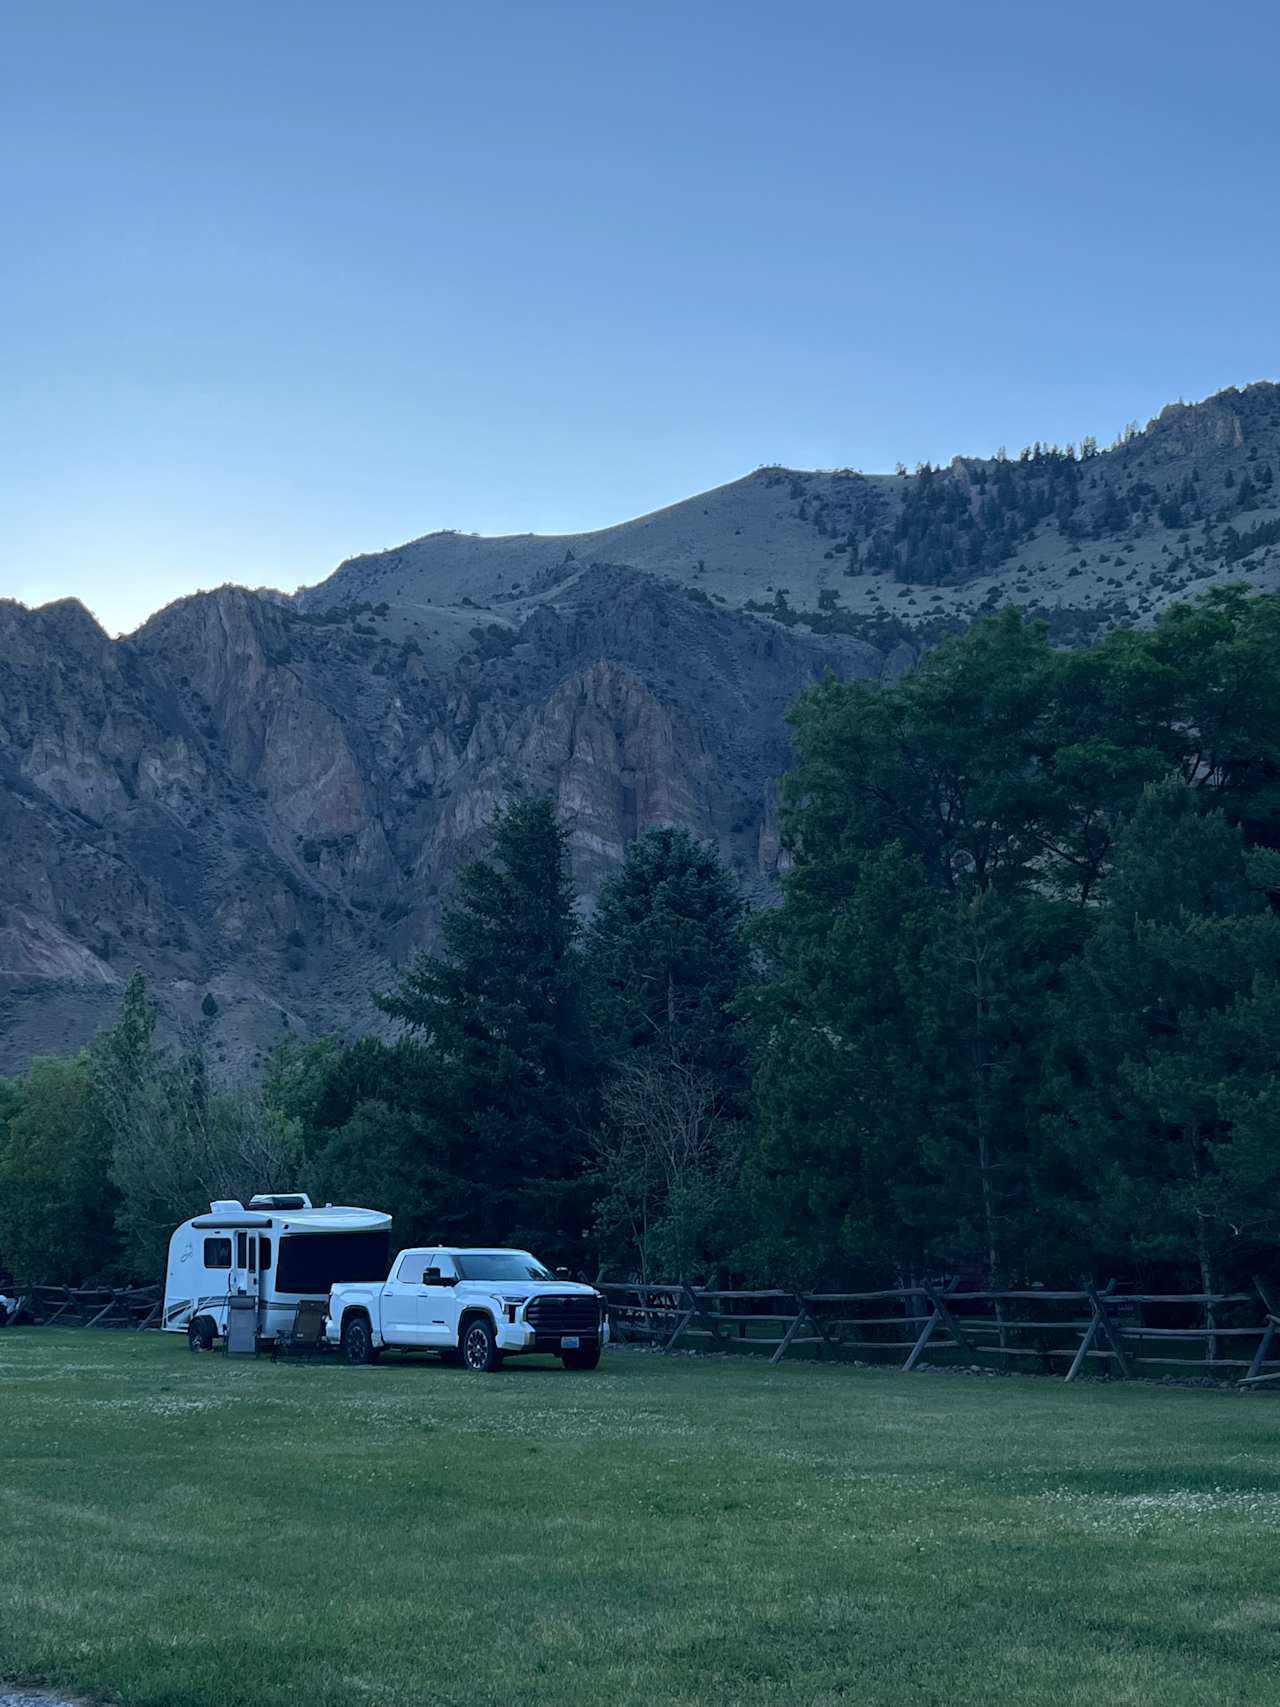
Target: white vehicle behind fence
[
  {"x": 474, "y": 1307},
  {"x": 258, "y": 1264}
]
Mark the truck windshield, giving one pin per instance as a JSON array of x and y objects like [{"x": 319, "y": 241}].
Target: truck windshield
[{"x": 500, "y": 1265}]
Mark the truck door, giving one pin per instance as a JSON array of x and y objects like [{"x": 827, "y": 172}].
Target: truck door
[
  {"x": 438, "y": 1305},
  {"x": 400, "y": 1300}
]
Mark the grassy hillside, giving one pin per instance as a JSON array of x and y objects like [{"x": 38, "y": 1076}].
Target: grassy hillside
[
  {"x": 186, "y": 1532},
  {"x": 1097, "y": 536}
]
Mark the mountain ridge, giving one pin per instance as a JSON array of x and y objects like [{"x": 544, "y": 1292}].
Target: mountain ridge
[
  {"x": 260, "y": 797},
  {"x": 788, "y": 528}
]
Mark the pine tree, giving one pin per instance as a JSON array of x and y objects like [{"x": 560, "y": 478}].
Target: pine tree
[
  {"x": 667, "y": 963},
  {"x": 834, "y": 1167},
  {"x": 126, "y": 1046},
  {"x": 1162, "y": 1100},
  {"x": 666, "y": 953},
  {"x": 500, "y": 1021}
]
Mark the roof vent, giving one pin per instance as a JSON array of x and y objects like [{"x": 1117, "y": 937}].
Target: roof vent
[
  {"x": 280, "y": 1200},
  {"x": 226, "y": 1206}
]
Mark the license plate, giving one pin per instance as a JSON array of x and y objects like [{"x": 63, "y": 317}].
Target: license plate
[{"x": 569, "y": 1342}]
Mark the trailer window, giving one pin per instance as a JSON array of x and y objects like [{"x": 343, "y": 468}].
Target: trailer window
[
  {"x": 217, "y": 1253},
  {"x": 313, "y": 1262},
  {"x": 264, "y": 1252}
]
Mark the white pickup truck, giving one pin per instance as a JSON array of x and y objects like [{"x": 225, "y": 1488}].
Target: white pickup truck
[{"x": 474, "y": 1307}]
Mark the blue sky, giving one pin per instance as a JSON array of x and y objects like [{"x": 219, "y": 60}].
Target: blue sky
[{"x": 285, "y": 282}]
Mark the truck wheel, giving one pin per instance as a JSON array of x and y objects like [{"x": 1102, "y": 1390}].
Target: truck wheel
[
  {"x": 200, "y": 1334},
  {"x": 479, "y": 1348},
  {"x": 357, "y": 1340},
  {"x": 585, "y": 1358}
]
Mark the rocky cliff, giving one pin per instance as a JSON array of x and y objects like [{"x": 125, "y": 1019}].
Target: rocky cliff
[{"x": 255, "y": 802}]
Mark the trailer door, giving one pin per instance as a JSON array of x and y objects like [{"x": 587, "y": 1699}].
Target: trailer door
[{"x": 245, "y": 1274}]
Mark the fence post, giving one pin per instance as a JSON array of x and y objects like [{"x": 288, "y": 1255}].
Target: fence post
[
  {"x": 713, "y": 1328},
  {"x": 825, "y": 1341},
  {"x": 1091, "y": 1333},
  {"x": 62, "y": 1309},
  {"x": 949, "y": 1322},
  {"x": 1113, "y": 1337},
  {"x": 106, "y": 1310},
  {"x": 684, "y": 1320},
  {"x": 1269, "y": 1333},
  {"x": 803, "y": 1314},
  {"x": 941, "y": 1317},
  {"x": 792, "y": 1330},
  {"x": 926, "y": 1334},
  {"x": 692, "y": 1309},
  {"x": 1084, "y": 1348}
]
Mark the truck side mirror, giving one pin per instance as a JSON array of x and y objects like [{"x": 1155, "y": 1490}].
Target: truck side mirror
[{"x": 431, "y": 1277}]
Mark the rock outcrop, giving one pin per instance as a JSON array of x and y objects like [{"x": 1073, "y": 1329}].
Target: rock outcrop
[{"x": 246, "y": 799}]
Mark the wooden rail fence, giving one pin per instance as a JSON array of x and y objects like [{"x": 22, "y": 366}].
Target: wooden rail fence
[
  {"x": 90, "y": 1306},
  {"x": 1037, "y": 1329}
]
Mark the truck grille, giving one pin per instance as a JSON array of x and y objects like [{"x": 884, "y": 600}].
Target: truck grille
[{"x": 573, "y": 1315}]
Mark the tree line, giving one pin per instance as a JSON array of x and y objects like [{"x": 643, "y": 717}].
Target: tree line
[
  {"x": 953, "y": 524},
  {"x": 1016, "y": 1013}
]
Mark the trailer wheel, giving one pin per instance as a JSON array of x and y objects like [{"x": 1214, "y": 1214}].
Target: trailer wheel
[
  {"x": 200, "y": 1334},
  {"x": 479, "y": 1347},
  {"x": 586, "y": 1357},
  {"x": 357, "y": 1339}
]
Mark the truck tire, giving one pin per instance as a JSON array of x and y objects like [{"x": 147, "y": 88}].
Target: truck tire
[
  {"x": 479, "y": 1347},
  {"x": 200, "y": 1333},
  {"x": 586, "y": 1357},
  {"x": 357, "y": 1339}
]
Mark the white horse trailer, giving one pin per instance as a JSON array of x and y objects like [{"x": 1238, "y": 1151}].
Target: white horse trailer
[{"x": 259, "y": 1262}]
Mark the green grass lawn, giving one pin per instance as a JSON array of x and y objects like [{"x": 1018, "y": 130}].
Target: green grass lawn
[{"x": 191, "y": 1532}]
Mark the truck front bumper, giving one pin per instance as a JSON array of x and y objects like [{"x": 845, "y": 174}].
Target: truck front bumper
[{"x": 519, "y": 1336}]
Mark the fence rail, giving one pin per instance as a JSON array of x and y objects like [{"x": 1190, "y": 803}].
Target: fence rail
[
  {"x": 1124, "y": 1333},
  {"x": 91, "y": 1306}
]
